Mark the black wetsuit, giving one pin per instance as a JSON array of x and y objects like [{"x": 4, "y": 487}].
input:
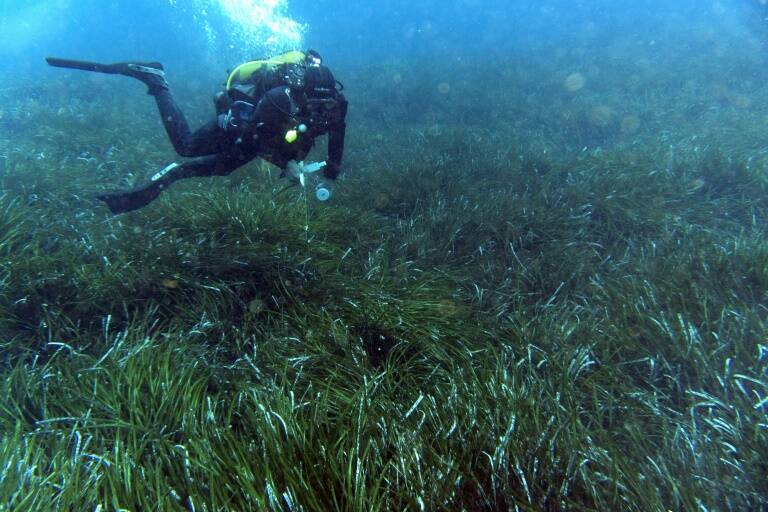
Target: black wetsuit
[{"x": 227, "y": 143}]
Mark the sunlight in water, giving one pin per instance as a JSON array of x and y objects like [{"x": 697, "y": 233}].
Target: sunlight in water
[
  {"x": 257, "y": 25},
  {"x": 261, "y": 18}
]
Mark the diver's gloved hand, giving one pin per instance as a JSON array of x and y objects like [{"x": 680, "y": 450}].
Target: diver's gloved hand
[
  {"x": 293, "y": 170},
  {"x": 299, "y": 171}
]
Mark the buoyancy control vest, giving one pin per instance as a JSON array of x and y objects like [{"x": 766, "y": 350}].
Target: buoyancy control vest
[{"x": 316, "y": 104}]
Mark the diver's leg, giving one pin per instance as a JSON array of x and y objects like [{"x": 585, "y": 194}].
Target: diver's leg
[
  {"x": 211, "y": 165},
  {"x": 204, "y": 141},
  {"x": 207, "y": 140}
]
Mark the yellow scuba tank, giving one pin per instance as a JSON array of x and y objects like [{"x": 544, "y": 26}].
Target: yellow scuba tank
[{"x": 242, "y": 74}]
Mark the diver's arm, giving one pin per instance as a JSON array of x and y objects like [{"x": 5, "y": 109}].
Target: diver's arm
[{"x": 336, "y": 133}]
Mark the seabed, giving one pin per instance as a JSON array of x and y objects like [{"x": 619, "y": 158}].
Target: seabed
[{"x": 544, "y": 296}]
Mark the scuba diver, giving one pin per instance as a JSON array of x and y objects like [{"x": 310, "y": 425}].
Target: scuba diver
[{"x": 271, "y": 109}]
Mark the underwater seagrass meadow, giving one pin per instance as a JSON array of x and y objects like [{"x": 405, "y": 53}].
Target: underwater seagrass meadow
[{"x": 540, "y": 285}]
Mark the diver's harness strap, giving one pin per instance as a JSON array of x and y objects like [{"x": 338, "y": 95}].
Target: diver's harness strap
[
  {"x": 238, "y": 116},
  {"x": 242, "y": 115}
]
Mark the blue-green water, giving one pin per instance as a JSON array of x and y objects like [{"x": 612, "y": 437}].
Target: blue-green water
[{"x": 227, "y": 31}]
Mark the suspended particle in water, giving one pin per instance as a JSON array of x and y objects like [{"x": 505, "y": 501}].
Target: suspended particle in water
[
  {"x": 381, "y": 202},
  {"x": 170, "y": 284},
  {"x": 443, "y": 88},
  {"x": 740, "y": 100},
  {"x": 574, "y": 82},
  {"x": 600, "y": 116},
  {"x": 630, "y": 124},
  {"x": 696, "y": 184},
  {"x": 447, "y": 308},
  {"x": 256, "y": 306}
]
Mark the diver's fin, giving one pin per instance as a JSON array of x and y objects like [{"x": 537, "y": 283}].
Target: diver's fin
[
  {"x": 151, "y": 73},
  {"x": 119, "y": 68},
  {"x": 81, "y": 64},
  {"x": 127, "y": 201}
]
